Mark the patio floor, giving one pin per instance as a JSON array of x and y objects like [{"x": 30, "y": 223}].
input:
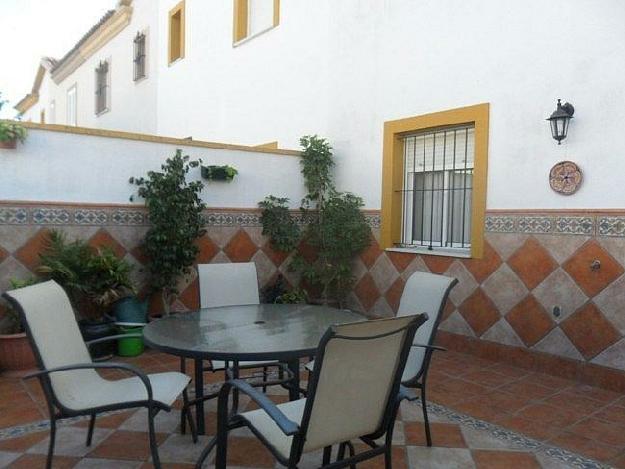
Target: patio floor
[{"x": 485, "y": 414}]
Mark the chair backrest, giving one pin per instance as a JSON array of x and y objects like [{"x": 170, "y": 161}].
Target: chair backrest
[
  {"x": 228, "y": 284},
  {"x": 356, "y": 379},
  {"x": 424, "y": 293},
  {"x": 53, "y": 331}
]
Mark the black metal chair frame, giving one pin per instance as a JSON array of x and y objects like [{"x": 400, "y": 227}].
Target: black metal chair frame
[
  {"x": 227, "y": 421},
  {"x": 58, "y": 411},
  {"x": 419, "y": 381}
]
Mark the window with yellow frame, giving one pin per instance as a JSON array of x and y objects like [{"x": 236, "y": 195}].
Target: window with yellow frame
[
  {"x": 253, "y": 17},
  {"x": 434, "y": 182},
  {"x": 176, "y": 44}
]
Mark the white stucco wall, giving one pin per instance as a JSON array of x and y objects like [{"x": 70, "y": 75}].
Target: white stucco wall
[
  {"x": 63, "y": 167},
  {"x": 340, "y": 69}
]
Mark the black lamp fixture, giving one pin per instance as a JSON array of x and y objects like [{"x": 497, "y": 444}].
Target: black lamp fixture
[{"x": 559, "y": 120}]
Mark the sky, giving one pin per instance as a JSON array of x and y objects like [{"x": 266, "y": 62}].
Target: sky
[{"x": 31, "y": 29}]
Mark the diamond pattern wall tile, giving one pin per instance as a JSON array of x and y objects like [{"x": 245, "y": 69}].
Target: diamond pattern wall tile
[
  {"x": 265, "y": 268},
  {"x": 456, "y": 324},
  {"x": 78, "y": 232},
  {"x": 438, "y": 264},
  {"x": 139, "y": 274},
  {"x": 505, "y": 288},
  {"x": 358, "y": 268},
  {"x": 611, "y": 300},
  {"x": 382, "y": 309},
  {"x": 371, "y": 254},
  {"x": 352, "y": 303},
  {"x": 589, "y": 331},
  {"x": 393, "y": 294},
  {"x": 28, "y": 254},
  {"x": 367, "y": 292},
  {"x": 207, "y": 249},
  {"x": 506, "y": 243},
  {"x": 14, "y": 236},
  {"x": 256, "y": 234},
  {"x": 482, "y": 268},
  {"x": 190, "y": 297},
  {"x": 220, "y": 258},
  {"x": 417, "y": 265},
  {"x": 448, "y": 309},
  {"x": 558, "y": 289},
  {"x": 613, "y": 356},
  {"x": 592, "y": 281},
  {"x": 383, "y": 273},
  {"x": 277, "y": 257},
  {"x": 140, "y": 254},
  {"x": 530, "y": 320},
  {"x": 307, "y": 251},
  {"x": 103, "y": 238},
  {"x": 221, "y": 235},
  {"x": 532, "y": 263},
  {"x": 479, "y": 312},
  {"x": 11, "y": 268},
  {"x": 466, "y": 283},
  {"x": 557, "y": 343},
  {"x": 129, "y": 236},
  {"x": 3, "y": 255},
  {"x": 241, "y": 248},
  {"x": 400, "y": 260},
  {"x": 502, "y": 333},
  {"x": 615, "y": 246},
  {"x": 561, "y": 247}
]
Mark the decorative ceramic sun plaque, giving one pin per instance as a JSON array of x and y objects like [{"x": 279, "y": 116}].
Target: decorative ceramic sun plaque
[{"x": 565, "y": 177}]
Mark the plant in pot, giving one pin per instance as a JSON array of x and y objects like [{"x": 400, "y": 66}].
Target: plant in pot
[
  {"x": 94, "y": 280},
  {"x": 175, "y": 212},
  {"x": 219, "y": 173},
  {"x": 16, "y": 355},
  {"x": 10, "y": 132}
]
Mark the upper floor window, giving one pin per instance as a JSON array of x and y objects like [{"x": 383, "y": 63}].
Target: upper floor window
[
  {"x": 42, "y": 116},
  {"x": 72, "y": 105},
  {"x": 139, "y": 56},
  {"x": 102, "y": 87},
  {"x": 252, "y": 17},
  {"x": 176, "y": 32},
  {"x": 53, "y": 112}
]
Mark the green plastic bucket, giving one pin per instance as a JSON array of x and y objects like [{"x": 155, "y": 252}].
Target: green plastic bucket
[{"x": 131, "y": 346}]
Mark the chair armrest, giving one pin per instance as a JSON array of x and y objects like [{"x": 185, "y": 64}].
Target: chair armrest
[
  {"x": 430, "y": 347},
  {"x": 288, "y": 427},
  {"x": 86, "y": 366},
  {"x": 112, "y": 337}
]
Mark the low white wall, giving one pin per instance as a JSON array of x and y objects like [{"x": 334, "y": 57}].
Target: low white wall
[{"x": 66, "y": 167}]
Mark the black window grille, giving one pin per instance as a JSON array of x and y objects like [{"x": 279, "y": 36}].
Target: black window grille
[
  {"x": 101, "y": 87},
  {"x": 438, "y": 188},
  {"x": 139, "y": 56}
]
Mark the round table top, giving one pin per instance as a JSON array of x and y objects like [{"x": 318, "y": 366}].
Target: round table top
[{"x": 250, "y": 332}]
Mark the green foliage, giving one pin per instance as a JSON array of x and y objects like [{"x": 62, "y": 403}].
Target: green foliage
[
  {"x": 294, "y": 296},
  {"x": 94, "y": 278},
  {"x": 11, "y": 323},
  {"x": 337, "y": 229},
  {"x": 175, "y": 211},
  {"x": 278, "y": 225},
  {"x": 10, "y": 130},
  {"x": 219, "y": 173}
]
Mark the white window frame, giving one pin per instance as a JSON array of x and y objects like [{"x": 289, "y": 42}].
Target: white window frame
[
  {"x": 107, "y": 97},
  {"x": 136, "y": 79}
]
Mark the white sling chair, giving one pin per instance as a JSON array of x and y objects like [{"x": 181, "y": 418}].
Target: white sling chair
[
  {"x": 428, "y": 293},
  {"x": 69, "y": 377},
  {"x": 354, "y": 392}
]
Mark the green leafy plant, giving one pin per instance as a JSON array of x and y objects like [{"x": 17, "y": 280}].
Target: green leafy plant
[
  {"x": 219, "y": 173},
  {"x": 11, "y": 322},
  {"x": 335, "y": 228},
  {"x": 10, "y": 131},
  {"x": 278, "y": 224},
  {"x": 94, "y": 278},
  {"x": 293, "y": 296},
  {"x": 175, "y": 211}
]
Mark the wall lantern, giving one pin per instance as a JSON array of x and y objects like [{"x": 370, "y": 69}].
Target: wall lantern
[{"x": 559, "y": 120}]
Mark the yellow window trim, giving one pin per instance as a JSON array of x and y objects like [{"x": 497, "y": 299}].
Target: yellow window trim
[
  {"x": 180, "y": 40},
  {"x": 393, "y": 169},
  {"x": 241, "y": 12}
]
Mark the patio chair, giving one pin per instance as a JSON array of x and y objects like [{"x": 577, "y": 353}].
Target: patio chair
[
  {"x": 231, "y": 284},
  {"x": 428, "y": 293},
  {"x": 353, "y": 393},
  {"x": 69, "y": 377}
]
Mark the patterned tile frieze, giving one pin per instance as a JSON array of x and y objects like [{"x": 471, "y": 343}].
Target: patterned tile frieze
[
  {"x": 13, "y": 216},
  {"x": 51, "y": 216},
  {"x": 532, "y": 224},
  {"x": 611, "y": 226},
  {"x": 588, "y": 225}
]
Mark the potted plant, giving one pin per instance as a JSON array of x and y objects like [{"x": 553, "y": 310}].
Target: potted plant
[
  {"x": 219, "y": 173},
  {"x": 175, "y": 211},
  {"x": 94, "y": 280},
  {"x": 16, "y": 355},
  {"x": 10, "y": 132}
]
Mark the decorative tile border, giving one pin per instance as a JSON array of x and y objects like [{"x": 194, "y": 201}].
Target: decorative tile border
[{"x": 586, "y": 225}]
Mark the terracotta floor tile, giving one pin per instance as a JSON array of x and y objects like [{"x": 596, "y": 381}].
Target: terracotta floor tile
[
  {"x": 618, "y": 462},
  {"x": 504, "y": 460},
  {"x": 527, "y": 427},
  {"x": 598, "y": 394},
  {"x": 32, "y": 461},
  {"x": 248, "y": 452},
  {"x": 552, "y": 382},
  {"x": 612, "y": 413},
  {"x": 576, "y": 402},
  {"x": 22, "y": 443},
  {"x": 109, "y": 421},
  {"x": 505, "y": 401},
  {"x": 17, "y": 416},
  {"x": 509, "y": 370},
  {"x": 488, "y": 377},
  {"x": 443, "y": 434},
  {"x": 600, "y": 431},
  {"x": 481, "y": 410},
  {"x": 398, "y": 456},
  {"x": 126, "y": 445},
  {"x": 529, "y": 390},
  {"x": 149, "y": 465},
  {"x": 545, "y": 414},
  {"x": 585, "y": 446}
]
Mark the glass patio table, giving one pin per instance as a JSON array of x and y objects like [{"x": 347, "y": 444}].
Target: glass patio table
[{"x": 245, "y": 333}]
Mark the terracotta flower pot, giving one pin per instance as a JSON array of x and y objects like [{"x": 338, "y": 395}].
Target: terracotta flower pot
[
  {"x": 8, "y": 144},
  {"x": 16, "y": 355}
]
